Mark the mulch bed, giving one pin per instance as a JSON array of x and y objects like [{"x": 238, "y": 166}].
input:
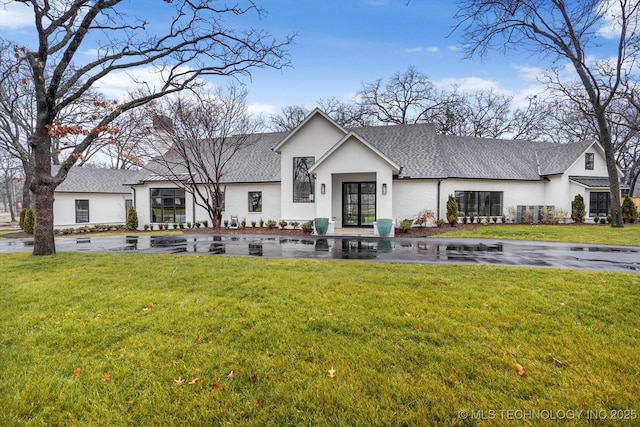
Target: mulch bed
[{"x": 414, "y": 232}]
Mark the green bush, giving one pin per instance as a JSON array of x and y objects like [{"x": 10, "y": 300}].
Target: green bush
[
  {"x": 307, "y": 227},
  {"x": 22, "y": 214},
  {"x": 29, "y": 221},
  {"x": 271, "y": 224},
  {"x": 452, "y": 210},
  {"x": 283, "y": 223},
  {"x": 629, "y": 210},
  {"x": 578, "y": 209},
  {"x": 132, "y": 219},
  {"x": 405, "y": 225}
]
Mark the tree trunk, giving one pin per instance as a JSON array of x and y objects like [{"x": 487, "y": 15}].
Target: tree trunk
[
  {"x": 43, "y": 238},
  {"x": 612, "y": 168}
]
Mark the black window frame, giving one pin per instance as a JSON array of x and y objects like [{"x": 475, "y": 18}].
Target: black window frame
[
  {"x": 598, "y": 200},
  {"x": 480, "y": 203},
  {"x": 254, "y": 201},
  {"x": 169, "y": 212},
  {"x": 589, "y": 161},
  {"x": 304, "y": 183},
  {"x": 80, "y": 212}
]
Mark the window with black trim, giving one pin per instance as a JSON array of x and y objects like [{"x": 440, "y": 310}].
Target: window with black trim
[
  {"x": 82, "y": 211},
  {"x": 479, "y": 203},
  {"x": 255, "y": 201},
  {"x": 599, "y": 203},
  {"x": 304, "y": 183},
  {"x": 168, "y": 205},
  {"x": 589, "y": 160}
]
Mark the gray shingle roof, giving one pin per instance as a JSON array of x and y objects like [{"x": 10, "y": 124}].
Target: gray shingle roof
[
  {"x": 98, "y": 180},
  {"x": 422, "y": 153}
]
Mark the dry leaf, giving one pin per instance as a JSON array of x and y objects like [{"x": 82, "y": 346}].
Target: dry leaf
[
  {"x": 147, "y": 307},
  {"x": 193, "y": 381},
  {"x": 217, "y": 387},
  {"x": 254, "y": 378},
  {"x": 418, "y": 328},
  {"x": 559, "y": 363},
  {"x": 331, "y": 373},
  {"x": 179, "y": 381},
  {"x": 76, "y": 372},
  {"x": 520, "y": 369},
  {"x": 230, "y": 376},
  {"x": 260, "y": 403},
  {"x": 106, "y": 377}
]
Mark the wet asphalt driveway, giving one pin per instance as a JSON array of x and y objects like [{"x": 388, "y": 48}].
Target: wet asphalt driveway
[{"x": 397, "y": 250}]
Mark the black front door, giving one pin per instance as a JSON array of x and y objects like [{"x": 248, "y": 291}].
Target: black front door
[{"x": 358, "y": 204}]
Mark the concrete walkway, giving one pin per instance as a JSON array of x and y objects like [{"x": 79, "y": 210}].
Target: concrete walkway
[{"x": 395, "y": 250}]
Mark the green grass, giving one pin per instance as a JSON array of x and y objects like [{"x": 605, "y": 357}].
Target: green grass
[
  {"x": 410, "y": 344},
  {"x": 587, "y": 233}
]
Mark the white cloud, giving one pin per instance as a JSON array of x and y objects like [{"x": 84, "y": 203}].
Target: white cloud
[
  {"x": 469, "y": 84},
  {"x": 455, "y": 48},
  {"x": 14, "y": 15},
  {"x": 420, "y": 49},
  {"x": 611, "y": 19}
]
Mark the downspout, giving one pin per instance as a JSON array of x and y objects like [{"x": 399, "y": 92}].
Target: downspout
[{"x": 438, "y": 204}]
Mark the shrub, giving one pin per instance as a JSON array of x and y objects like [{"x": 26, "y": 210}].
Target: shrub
[
  {"x": 253, "y": 224},
  {"x": 471, "y": 219},
  {"x": 181, "y": 225},
  {"x": 261, "y": 222},
  {"x": 271, "y": 224},
  {"x": 603, "y": 220},
  {"x": 452, "y": 210},
  {"x": 22, "y": 214},
  {"x": 405, "y": 225},
  {"x": 175, "y": 225},
  {"x": 243, "y": 223},
  {"x": 307, "y": 227},
  {"x": 629, "y": 210},
  {"x": 226, "y": 223},
  {"x": 205, "y": 223},
  {"x": 465, "y": 219},
  {"x": 29, "y": 221},
  {"x": 424, "y": 216},
  {"x": 146, "y": 227},
  {"x": 596, "y": 219},
  {"x": 132, "y": 219},
  {"x": 440, "y": 222},
  {"x": 294, "y": 224},
  {"x": 578, "y": 209},
  {"x": 283, "y": 223},
  {"x": 504, "y": 219}
]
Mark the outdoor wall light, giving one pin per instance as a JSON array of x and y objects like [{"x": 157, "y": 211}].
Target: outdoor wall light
[
  {"x": 384, "y": 188},
  {"x": 323, "y": 189}
]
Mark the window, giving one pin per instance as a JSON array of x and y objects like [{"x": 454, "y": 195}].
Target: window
[
  {"x": 82, "y": 211},
  {"x": 168, "y": 205},
  {"x": 479, "y": 203},
  {"x": 303, "y": 182},
  {"x": 588, "y": 161},
  {"x": 255, "y": 201},
  {"x": 599, "y": 204}
]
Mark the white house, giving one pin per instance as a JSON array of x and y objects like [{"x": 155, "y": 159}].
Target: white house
[
  {"x": 355, "y": 177},
  {"x": 90, "y": 196}
]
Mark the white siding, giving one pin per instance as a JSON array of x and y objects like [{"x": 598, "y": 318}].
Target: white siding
[{"x": 103, "y": 209}]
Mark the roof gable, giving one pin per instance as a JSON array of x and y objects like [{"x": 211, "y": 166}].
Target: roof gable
[
  {"x": 352, "y": 136},
  {"x": 317, "y": 113}
]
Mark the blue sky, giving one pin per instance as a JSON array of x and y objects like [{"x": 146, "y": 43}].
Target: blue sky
[{"x": 341, "y": 44}]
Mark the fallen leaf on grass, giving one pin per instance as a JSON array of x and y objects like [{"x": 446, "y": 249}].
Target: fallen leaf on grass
[
  {"x": 520, "y": 369},
  {"x": 260, "y": 403},
  {"x": 217, "y": 387},
  {"x": 76, "y": 372},
  {"x": 106, "y": 377},
  {"x": 147, "y": 307},
  {"x": 193, "y": 381},
  {"x": 331, "y": 373},
  {"x": 230, "y": 376},
  {"x": 254, "y": 378},
  {"x": 179, "y": 381},
  {"x": 559, "y": 363}
]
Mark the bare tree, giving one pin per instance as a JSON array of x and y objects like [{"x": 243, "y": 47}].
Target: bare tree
[
  {"x": 189, "y": 42},
  {"x": 564, "y": 32},
  {"x": 406, "y": 98},
  {"x": 288, "y": 119},
  {"x": 347, "y": 114},
  {"x": 206, "y": 133}
]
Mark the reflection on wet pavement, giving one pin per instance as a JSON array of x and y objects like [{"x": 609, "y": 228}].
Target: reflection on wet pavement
[{"x": 515, "y": 253}]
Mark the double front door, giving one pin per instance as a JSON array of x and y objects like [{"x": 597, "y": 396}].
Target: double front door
[{"x": 358, "y": 204}]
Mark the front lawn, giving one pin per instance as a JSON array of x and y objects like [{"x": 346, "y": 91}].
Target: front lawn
[
  {"x": 585, "y": 233},
  {"x": 131, "y": 339}
]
